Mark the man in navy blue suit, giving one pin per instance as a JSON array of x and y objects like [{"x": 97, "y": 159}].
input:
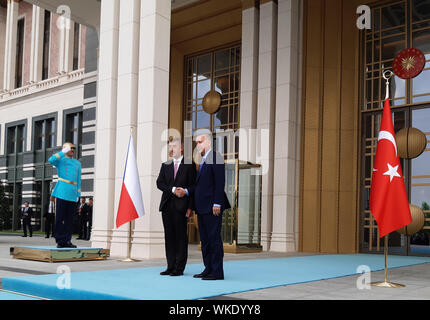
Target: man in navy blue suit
[{"x": 210, "y": 201}]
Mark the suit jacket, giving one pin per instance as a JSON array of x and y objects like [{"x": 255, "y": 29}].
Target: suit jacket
[
  {"x": 29, "y": 213},
  {"x": 46, "y": 214},
  {"x": 89, "y": 213},
  {"x": 210, "y": 183},
  {"x": 185, "y": 178},
  {"x": 84, "y": 211}
]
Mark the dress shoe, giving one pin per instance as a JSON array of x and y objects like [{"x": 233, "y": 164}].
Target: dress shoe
[
  {"x": 209, "y": 277},
  {"x": 200, "y": 275},
  {"x": 166, "y": 272},
  {"x": 70, "y": 245},
  {"x": 61, "y": 245},
  {"x": 24, "y": 236},
  {"x": 79, "y": 238},
  {"x": 47, "y": 237},
  {"x": 176, "y": 273}
]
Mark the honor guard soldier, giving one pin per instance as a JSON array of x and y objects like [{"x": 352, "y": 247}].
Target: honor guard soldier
[{"x": 67, "y": 191}]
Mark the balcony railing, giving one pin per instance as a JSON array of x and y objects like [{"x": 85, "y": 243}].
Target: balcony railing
[{"x": 34, "y": 87}]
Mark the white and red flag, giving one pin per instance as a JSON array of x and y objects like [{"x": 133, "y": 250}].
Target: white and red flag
[
  {"x": 388, "y": 199},
  {"x": 130, "y": 203}
]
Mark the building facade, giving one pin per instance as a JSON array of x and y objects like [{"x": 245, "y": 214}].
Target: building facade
[
  {"x": 300, "y": 86},
  {"x": 48, "y": 79}
]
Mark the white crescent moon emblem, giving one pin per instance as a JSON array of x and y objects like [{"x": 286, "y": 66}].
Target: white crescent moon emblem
[{"x": 387, "y": 136}]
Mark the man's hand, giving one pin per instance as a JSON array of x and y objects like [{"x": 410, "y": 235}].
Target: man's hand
[
  {"x": 179, "y": 192},
  {"x": 66, "y": 149},
  {"x": 189, "y": 213},
  {"x": 216, "y": 210}
]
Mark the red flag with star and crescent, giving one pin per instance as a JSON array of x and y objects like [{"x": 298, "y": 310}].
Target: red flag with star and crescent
[{"x": 388, "y": 199}]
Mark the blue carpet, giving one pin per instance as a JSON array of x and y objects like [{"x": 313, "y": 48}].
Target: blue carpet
[
  {"x": 12, "y": 296},
  {"x": 240, "y": 276}
]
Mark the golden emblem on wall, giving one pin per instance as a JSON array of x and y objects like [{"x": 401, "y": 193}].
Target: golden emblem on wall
[
  {"x": 211, "y": 102},
  {"x": 409, "y": 63}
]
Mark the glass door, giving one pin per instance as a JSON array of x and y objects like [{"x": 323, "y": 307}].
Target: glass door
[{"x": 420, "y": 184}]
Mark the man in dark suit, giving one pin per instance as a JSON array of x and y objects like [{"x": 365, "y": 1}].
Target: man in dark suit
[
  {"x": 89, "y": 219},
  {"x": 210, "y": 201},
  {"x": 26, "y": 215},
  {"x": 49, "y": 217},
  {"x": 82, "y": 212},
  {"x": 176, "y": 180}
]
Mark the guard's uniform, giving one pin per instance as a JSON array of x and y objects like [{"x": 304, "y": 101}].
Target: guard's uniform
[{"x": 67, "y": 191}]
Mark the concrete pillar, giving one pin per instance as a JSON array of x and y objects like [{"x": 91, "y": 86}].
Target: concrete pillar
[
  {"x": 36, "y": 55},
  {"x": 287, "y": 129},
  {"x": 153, "y": 115},
  {"x": 249, "y": 80},
  {"x": 65, "y": 54},
  {"x": 105, "y": 155},
  {"x": 126, "y": 117},
  {"x": 10, "y": 49},
  {"x": 266, "y": 112},
  {"x": 3, "y": 15}
]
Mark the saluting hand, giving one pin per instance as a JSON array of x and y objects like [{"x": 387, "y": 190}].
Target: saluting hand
[{"x": 66, "y": 149}]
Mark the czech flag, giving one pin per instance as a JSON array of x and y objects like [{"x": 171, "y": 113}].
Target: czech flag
[{"x": 130, "y": 203}]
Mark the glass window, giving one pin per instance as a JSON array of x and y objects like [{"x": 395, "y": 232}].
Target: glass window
[
  {"x": 19, "y": 53},
  {"x": 20, "y": 139},
  {"x": 219, "y": 71},
  {"x": 420, "y": 10},
  {"x": 397, "y": 25},
  {"x": 11, "y": 140},
  {"x": 74, "y": 130},
  {"x": 44, "y": 134},
  {"x": 39, "y": 137},
  {"x": 46, "y": 41},
  {"x": 76, "y": 46}
]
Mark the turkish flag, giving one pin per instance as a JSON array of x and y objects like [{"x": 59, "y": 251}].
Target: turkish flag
[{"x": 388, "y": 199}]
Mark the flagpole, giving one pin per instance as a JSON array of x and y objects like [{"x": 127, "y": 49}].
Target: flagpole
[
  {"x": 129, "y": 259},
  {"x": 130, "y": 230},
  {"x": 385, "y": 284}
]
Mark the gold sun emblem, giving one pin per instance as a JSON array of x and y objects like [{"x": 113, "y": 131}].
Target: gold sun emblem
[{"x": 408, "y": 63}]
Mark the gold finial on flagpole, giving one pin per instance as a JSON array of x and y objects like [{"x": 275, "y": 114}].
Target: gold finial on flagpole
[{"x": 387, "y": 75}]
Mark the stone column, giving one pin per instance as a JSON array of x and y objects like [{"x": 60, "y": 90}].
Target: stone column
[
  {"x": 153, "y": 118},
  {"x": 36, "y": 55},
  {"x": 249, "y": 80},
  {"x": 126, "y": 116},
  {"x": 266, "y": 112},
  {"x": 65, "y": 54},
  {"x": 105, "y": 155},
  {"x": 10, "y": 50},
  {"x": 287, "y": 129},
  {"x": 3, "y": 15}
]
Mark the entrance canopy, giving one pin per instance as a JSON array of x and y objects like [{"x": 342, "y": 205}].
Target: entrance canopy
[{"x": 87, "y": 12}]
